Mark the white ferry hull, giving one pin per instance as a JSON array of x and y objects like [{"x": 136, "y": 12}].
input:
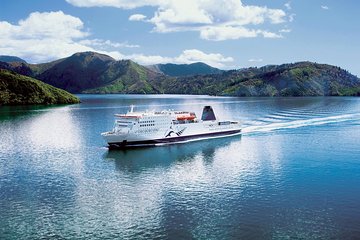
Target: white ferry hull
[
  {"x": 183, "y": 133},
  {"x": 120, "y": 142}
]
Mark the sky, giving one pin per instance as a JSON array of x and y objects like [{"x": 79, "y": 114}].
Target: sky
[{"x": 227, "y": 34}]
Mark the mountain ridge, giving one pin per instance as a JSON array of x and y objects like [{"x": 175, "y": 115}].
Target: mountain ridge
[
  {"x": 91, "y": 72},
  {"x": 7, "y": 58},
  {"x": 180, "y": 70},
  {"x": 295, "y": 79}
]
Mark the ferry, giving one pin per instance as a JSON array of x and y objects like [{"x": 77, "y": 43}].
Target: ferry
[{"x": 151, "y": 128}]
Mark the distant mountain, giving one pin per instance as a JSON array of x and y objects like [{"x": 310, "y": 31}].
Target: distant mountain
[
  {"x": 4, "y": 58},
  {"x": 298, "y": 79},
  {"x": 18, "y": 67},
  {"x": 178, "y": 70},
  {"x": 91, "y": 72},
  {"x": 78, "y": 72},
  {"x": 16, "y": 89}
]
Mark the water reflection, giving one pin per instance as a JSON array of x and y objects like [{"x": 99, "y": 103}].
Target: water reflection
[
  {"x": 138, "y": 159},
  {"x": 45, "y": 132}
]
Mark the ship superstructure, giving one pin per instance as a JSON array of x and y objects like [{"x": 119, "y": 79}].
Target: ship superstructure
[{"x": 167, "y": 126}]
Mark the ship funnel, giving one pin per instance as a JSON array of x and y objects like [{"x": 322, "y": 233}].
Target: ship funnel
[{"x": 208, "y": 114}]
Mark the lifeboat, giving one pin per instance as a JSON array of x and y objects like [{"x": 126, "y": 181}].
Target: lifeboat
[{"x": 183, "y": 117}]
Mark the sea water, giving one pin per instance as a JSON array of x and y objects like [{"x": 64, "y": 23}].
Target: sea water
[{"x": 294, "y": 173}]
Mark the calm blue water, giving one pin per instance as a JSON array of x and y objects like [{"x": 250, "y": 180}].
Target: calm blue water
[{"x": 293, "y": 174}]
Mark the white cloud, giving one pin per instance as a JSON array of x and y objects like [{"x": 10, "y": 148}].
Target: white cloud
[
  {"x": 194, "y": 55},
  {"x": 204, "y": 16},
  {"x": 149, "y": 59},
  {"x": 187, "y": 56},
  {"x": 267, "y": 34},
  {"x": 325, "y": 7},
  {"x": 43, "y": 36},
  {"x": 51, "y": 35},
  {"x": 45, "y": 25},
  {"x": 276, "y": 16},
  {"x": 41, "y": 50},
  {"x": 114, "y": 54},
  {"x": 137, "y": 17},
  {"x": 220, "y": 33},
  {"x": 47, "y": 36}
]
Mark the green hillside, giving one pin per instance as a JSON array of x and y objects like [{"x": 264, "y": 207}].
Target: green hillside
[
  {"x": 180, "y": 70},
  {"x": 298, "y": 79},
  {"x": 16, "y": 89},
  {"x": 133, "y": 78},
  {"x": 90, "y": 72}
]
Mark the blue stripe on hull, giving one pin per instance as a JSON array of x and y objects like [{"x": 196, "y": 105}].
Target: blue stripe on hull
[{"x": 179, "y": 139}]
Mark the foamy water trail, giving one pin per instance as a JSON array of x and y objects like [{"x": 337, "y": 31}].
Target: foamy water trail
[{"x": 300, "y": 123}]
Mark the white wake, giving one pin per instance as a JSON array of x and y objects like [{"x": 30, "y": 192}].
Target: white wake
[{"x": 301, "y": 123}]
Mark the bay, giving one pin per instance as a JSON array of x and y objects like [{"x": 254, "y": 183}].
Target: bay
[{"x": 293, "y": 174}]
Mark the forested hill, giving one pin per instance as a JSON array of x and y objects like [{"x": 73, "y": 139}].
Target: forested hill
[
  {"x": 16, "y": 89},
  {"x": 298, "y": 79},
  {"x": 178, "y": 70},
  {"x": 90, "y": 72}
]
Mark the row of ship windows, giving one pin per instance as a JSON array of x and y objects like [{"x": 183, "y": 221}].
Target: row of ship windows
[
  {"x": 147, "y": 125},
  {"x": 151, "y": 121}
]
